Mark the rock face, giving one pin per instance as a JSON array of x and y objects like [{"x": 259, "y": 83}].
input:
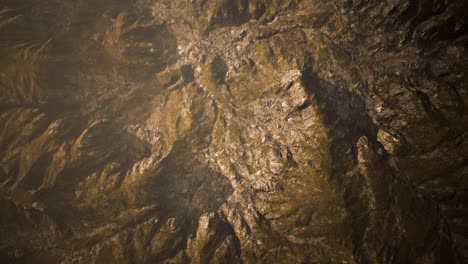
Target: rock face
[{"x": 233, "y": 131}]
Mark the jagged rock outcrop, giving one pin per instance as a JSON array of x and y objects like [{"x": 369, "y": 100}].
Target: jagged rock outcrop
[{"x": 216, "y": 131}]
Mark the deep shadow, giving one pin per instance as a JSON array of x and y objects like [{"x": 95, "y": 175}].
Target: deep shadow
[
  {"x": 185, "y": 186},
  {"x": 219, "y": 70}
]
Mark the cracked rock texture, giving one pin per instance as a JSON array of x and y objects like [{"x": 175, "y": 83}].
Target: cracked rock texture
[{"x": 233, "y": 131}]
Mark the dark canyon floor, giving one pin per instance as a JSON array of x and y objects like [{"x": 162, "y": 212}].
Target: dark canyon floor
[{"x": 233, "y": 131}]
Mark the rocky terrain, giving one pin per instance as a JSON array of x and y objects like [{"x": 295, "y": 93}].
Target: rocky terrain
[{"x": 233, "y": 131}]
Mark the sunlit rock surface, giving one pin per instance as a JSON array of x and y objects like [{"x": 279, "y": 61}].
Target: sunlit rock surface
[{"x": 233, "y": 131}]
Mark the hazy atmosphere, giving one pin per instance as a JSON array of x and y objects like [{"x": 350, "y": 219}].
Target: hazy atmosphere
[{"x": 234, "y": 131}]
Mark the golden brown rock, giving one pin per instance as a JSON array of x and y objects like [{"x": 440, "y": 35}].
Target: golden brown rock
[{"x": 219, "y": 131}]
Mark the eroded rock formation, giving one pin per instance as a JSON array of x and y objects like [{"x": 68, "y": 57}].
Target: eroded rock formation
[{"x": 233, "y": 131}]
